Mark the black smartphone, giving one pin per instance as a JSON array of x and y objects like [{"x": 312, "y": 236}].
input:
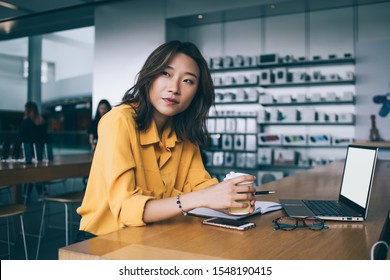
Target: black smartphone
[{"x": 231, "y": 224}]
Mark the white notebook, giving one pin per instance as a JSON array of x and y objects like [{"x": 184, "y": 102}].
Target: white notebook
[{"x": 261, "y": 207}]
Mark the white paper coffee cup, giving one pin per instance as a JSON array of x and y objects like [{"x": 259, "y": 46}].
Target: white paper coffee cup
[{"x": 238, "y": 210}]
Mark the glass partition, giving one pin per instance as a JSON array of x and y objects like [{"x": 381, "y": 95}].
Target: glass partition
[{"x": 66, "y": 88}]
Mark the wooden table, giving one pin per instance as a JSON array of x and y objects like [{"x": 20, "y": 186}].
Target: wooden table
[
  {"x": 186, "y": 238},
  {"x": 61, "y": 167}
]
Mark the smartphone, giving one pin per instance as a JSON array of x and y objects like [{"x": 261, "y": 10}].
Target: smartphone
[{"x": 231, "y": 224}]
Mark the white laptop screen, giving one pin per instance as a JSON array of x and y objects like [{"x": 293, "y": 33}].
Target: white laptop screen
[{"x": 359, "y": 166}]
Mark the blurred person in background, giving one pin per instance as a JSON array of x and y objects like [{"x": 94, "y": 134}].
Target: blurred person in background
[
  {"x": 103, "y": 107},
  {"x": 33, "y": 129}
]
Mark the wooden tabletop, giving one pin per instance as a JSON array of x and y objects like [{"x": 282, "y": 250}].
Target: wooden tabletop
[
  {"x": 61, "y": 167},
  {"x": 186, "y": 238}
]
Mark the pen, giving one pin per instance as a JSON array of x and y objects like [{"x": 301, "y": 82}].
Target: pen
[{"x": 264, "y": 192}]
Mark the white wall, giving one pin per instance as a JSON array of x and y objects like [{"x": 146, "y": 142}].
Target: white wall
[
  {"x": 13, "y": 88},
  {"x": 72, "y": 51},
  {"x": 373, "y": 71},
  {"x": 208, "y": 38},
  {"x": 374, "y": 22},
  {"x": 72, "y": 87},
  {"x": 126, "y": 33},
  {"x": 285, "y": 35},
  {"x": 331, "y": 31},
  {"x": 13, "y": 94},
  {"x": 18, "y": 47}
]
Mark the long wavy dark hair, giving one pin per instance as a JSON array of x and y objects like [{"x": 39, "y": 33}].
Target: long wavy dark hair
[{"x": 190, "y": 124}]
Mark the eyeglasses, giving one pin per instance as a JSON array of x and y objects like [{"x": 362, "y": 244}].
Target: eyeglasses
[{"x": 291, "y": 223}]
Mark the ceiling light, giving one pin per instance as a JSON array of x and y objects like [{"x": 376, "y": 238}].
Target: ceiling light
[
  {"x": 200, "y": 16},
  {"x": 8, "y": 5}
]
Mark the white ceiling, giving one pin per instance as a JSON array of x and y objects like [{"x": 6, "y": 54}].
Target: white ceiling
[
  {"x": 31, "y": 7},
  {"x": 32, "y": 17},
  {"x": 81, "y": 37}
]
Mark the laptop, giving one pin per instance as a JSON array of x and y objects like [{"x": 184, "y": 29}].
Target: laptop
[{"x": 355, "y": 190}]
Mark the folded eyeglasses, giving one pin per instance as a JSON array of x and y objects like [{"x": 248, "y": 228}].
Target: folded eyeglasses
[{"x": 291, "y": 223}]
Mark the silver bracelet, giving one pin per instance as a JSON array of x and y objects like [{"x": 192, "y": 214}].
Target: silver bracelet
[{"x": 178, "y": 202}]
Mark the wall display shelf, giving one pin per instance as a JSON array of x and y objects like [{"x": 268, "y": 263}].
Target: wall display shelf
[
  {"x": 237, "y": 96},
  {"x": 235, "y": 103},
  {"x": 291, "y": 84},
  {"x": 304, "y": 146},
  {"x": 296, "y": 64},
  {"x": 264, "y": 175},
  {"x": 220, "y": 172},
  {"x": 312, "y": 63},
  {"x": 236, "y": 141},
  {"x": 274, "y": 78},
  {"x": 317, "y": 103},
  {"x": 306, "y": 123},
  {"x": 224, "y": 170},
  {"x": 282, "y": 167},
  {"x": 232, "y": 116},
  {"x": 237, "y": 85},
  {"x": 283, "y": 78},
  {"x": 231, "y": 159},
  {"x": 306, "y": 84},
  {"x": 292, "y": 158},
  {"x": 234, "y": 69},
  {"x": 232, "y": 133},
  {"x": 212, "y": 149}
]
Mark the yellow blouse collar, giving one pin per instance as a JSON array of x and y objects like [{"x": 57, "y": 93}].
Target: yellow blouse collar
[{"x": 150, "y": 136}]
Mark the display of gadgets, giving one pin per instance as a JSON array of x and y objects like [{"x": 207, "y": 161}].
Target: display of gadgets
[{"x": 230, "y": 224}]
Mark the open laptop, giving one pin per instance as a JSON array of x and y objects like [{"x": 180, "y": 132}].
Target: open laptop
[{"x": 355, "y": 190}]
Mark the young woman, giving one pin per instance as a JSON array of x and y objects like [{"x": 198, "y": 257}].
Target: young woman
[
  {"x": 147, "y": 165},
  {"x": 103, "y": 107},
  {"x": 33, "y": 130}
]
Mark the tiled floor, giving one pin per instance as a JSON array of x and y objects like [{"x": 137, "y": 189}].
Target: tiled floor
[{"x": 54, "y": 237}]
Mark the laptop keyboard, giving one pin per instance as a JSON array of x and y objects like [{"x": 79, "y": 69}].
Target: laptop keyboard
[{"x": 326, "y": 208}]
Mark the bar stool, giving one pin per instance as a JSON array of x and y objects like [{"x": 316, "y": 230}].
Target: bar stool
[
  {"x": 11, "y": 210},
  {"x": 65, "y": 199}
]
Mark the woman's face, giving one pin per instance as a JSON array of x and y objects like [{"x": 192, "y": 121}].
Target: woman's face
[
  {"x": 102, "y": 109},
  {"x": 173, "y": 90}
]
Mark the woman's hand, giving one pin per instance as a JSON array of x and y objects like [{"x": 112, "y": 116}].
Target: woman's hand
[
  {"x": 228, "y": 193},
  {"x": 220, "y": 196}
]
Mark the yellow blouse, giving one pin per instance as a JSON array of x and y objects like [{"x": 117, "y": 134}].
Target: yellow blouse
[{"x": 131, "y": 167}]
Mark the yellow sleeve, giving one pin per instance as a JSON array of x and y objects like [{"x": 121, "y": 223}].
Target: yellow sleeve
[
  {"x": 197, "y": 176},
  {"x": 117, "y": 136}
]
